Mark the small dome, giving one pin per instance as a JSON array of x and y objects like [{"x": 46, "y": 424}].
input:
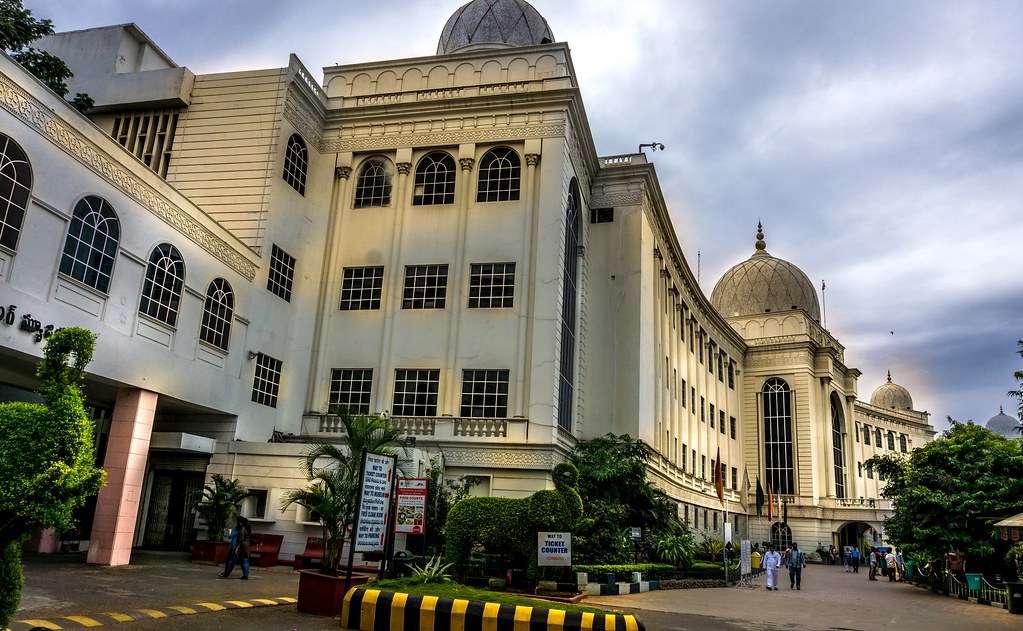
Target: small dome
[
  {"x": 892, "y": 396},
  {"x": 764, "y": 284},
  {"x": 1003, "y": 425},
  {"x": 494, "y": 24}
]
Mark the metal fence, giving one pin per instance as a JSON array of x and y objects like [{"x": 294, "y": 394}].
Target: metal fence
[{"x": 985, "y": 594}]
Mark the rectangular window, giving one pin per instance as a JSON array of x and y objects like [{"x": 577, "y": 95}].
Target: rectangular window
[
  {"x": 491, "y": 285},
  {"x": 694, "y": 461},
  {"x": 731, "y": 375},
  {"x": 667, "y": 384},
  {"x": 731, "y": 426},
  {"x": 703, "y": 467},
  {"x": 361, "y": 288},
  {"x": 703, "y": 410},
  {"x": 735, "y": 479},
  {"x": 859, "y": 469},
  {"x": 692, "y": 392},
  {"x": 267, "y": 380},
  {"x": 712, "y": 416},
  {"x": 700, "y": 340},
  {"x": 686, "y": 509},
  {"x": 254, "y": 504},
  {"x": 870, "y": 471},
  {"x": 721, "y": 421},
  {"x": 415, "y": 392},
  {"x": 705, "y": 519},
  {"x": 674, "y": 380},
  {"x": 715, "y": 517},
  {"x": 711, "y": 353},
  {"x": 350, "y": 389},
  {"x": 692, "y": 338},
  {"x": 721, "y": 367},
  {"x": 685, "y": 454},
  {"x": 484, "y": 393},
  {"x": 282, "y": 273},
  {"x": 426, "y": 287},
  {"x": 684, "y": 393},
  {"x": 602, "y": 215},
  {"x": 857, "y": 432}
]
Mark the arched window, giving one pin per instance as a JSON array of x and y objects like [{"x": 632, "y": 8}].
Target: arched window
[
  {"x": 499, "y": 176},
  {"x": 15, "y": 190},
  {"x": 91, "y": 244},
  {"x": 781, "y": 536},
  {"x": 891, "y": 440},
  {"x": 569, "y": 295},
  {"x": 778, "y": 465},
  {"x": 296, "y": 162},
  {"x": 373, "y": 186},
  {"x": 217, "y": 313},
  {"x": 903, "y": 447},
  {"x": 877, "y": 437},
  {"x": 435, "y": 180},
  {"x": 838, "y": 444},
  {"x": 161, "y": 291}
]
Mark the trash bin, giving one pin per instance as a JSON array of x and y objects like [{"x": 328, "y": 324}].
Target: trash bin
[
  {"x": 973, "y": 581},
  {"x": 1015, "y": 597},
  {"x": 910, "y": 569}
]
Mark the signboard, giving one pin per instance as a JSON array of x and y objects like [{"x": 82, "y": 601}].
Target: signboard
[
  {"x": 554, "y": 549},
  {"x": 411, "y": 506},
  {"x": 374, "y": 503},
  {"x": 636, "y": 532},
  {"x": 745, "y": 558},
  {"x": 728, "y": 532}
]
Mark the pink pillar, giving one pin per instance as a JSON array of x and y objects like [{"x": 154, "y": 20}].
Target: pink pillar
[{"x": 117, "y": 507}]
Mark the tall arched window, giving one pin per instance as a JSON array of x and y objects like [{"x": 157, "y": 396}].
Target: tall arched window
[
  {"x": 891, "y": 440},
  {"x": 569, "y": 295},
  {"x": 217, "y": 313},
  {"x": 778, "y": 465},
  {"x": 91, "y": 244},
  {"x": 161, "y": 291},
  {"x": 435, "y": 180},
  {"x": 15, "y": 190},
  {"x": 296, "y": 163},
  {"x": 838, "y": 444},
  {"x": 373, "y": 186},
  {"x": 781, "y": 535},
  {"x": 499, "y": 176}
]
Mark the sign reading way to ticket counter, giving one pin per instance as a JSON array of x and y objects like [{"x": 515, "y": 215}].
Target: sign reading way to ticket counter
[{"x": 554, "y": 549}]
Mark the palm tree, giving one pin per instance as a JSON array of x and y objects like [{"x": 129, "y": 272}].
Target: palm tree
[
  {"x": 217, "y": 502},
  {"x": 333, "y": 473},
  {"x": 1018, "y": 394}
]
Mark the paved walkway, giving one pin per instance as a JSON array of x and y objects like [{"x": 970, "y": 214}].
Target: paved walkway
[{"x": 830, "y": 599}]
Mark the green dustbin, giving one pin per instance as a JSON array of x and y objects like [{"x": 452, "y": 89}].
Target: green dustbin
[
  {"x": 1015, "y": 599},
  {"x": 973, "y": 581},
  {"x": 910, "y": 569}
]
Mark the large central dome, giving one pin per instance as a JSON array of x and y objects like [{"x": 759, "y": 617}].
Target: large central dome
[
  {"x": 494, "y": 24},
  {"x": 891, "y": 396},
  {"x": 764, "y": 284}
]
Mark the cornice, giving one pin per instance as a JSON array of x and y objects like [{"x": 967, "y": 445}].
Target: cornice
[
  {"x": 304, "y": 118},
  {"x": 443, "y": 137},
  {"x": 46, "y": 123}
]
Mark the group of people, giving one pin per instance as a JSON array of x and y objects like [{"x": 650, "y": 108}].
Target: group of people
[
  {"x": 887, "y": 563},
  {"x": 792, "y": 558}
]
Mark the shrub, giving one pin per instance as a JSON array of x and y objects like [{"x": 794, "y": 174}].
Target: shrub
[
  {"x": 711, "y": 548},
  {"x": 622, "y": 571},
  {"x": 678, "y": 550},
  {"x": 433, "y": 571},
  {"x": 11, "y": 581},
  {"x": 218, "y": 502}
]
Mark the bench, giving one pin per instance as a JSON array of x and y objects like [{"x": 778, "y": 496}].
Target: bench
[
  {"x": 312, "y": 556},
  {"x": 264, "y": 549}
]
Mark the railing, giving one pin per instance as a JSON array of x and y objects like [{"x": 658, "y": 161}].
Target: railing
[
  {"x": 858, "y": 501},
  {"x": 986, "y": 594},
  {"x": 431, "y": 427},
  {"x": 488, "y": 427}
]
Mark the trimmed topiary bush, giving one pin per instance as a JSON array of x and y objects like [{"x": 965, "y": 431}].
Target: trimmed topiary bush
[{"x": 508, "y": 526}]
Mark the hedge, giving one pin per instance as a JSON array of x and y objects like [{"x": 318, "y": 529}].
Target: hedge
[{"x": 650, "y": 571}]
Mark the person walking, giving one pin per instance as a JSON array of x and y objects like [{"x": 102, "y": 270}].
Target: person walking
[
  {"x": 855, "y": 554},
  {"x": 873, "y": 560},
  {"x": 796, "y": 563},
  {"x": 892, "y": 564},
  {"x": 238, "y": 548},
  {"x": 771, "y": 563},
  {"x": 901, "y": 563},
  {"x": 846, "y": 560}
]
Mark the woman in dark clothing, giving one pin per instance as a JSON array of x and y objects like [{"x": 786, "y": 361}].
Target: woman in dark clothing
[{"x": 238, "y": 548}]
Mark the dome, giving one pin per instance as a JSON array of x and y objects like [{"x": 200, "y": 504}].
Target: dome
[
  {"x": 891, "y": 396},
  {"x": 494, "y": 24},
  {"x": 764, "y": 284},
  {"x": 1003, "y": 424}
]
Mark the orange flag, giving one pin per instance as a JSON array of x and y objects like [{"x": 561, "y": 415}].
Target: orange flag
[
  {"x": 719, "y": 483},
  {"x": 770, "y": 503}
]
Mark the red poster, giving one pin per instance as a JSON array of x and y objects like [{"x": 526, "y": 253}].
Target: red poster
[{"x": 411, "y": 506}]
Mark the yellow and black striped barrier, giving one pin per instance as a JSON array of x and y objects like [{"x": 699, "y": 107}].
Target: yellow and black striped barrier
[{"x": 378, "y": 610}]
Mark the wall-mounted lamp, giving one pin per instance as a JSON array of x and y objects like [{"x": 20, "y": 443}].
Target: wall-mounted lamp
[
  {"x": 654, "y": 146},
  {"x": 254, "y": 354}
]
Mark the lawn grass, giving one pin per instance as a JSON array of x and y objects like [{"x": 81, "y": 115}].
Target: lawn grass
[{"x": 457, "y": 590}]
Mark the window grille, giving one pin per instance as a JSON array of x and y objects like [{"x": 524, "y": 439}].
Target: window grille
[
  {"x": 149, "y": 135},
  {"x": 781, "y": 536},
  {"x": 712, "y": 415},
  {"x": 426, "y": 287},
  {"x": 778, "y": 436},
  {"x": 350, "y": 389},
  {"x": 415, "y": 392},
  {"x": 90, "y": 248},
  {"x": 282, "y": 273},
  {"x": 217, "y": 314},
  {"x": 266, "y": 382},
  {"x": 499, "y": 172},
  {"x": 838, "y": 445},
  {"x": 484, "y": 393},
  {"x": 435, "y": 180},
  {"x": 15, "y": 190},
  {"x": 491, "y": 285},
  {"x": 373, "y": 186},
  {"x": 161, "y": 291},
  {"x": 731, "y": 426},
  {"x": 721, "y": 420},
  {"x": 296, "y": 163},
  {"x": 361, "y": 288}
]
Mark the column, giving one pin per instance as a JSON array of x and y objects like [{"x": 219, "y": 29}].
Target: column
[
  {"x": 117, "y": 507},
  {"x": 449, "y": 402},
  {"x": 525, "y": 274},
  {"x": 393, "y": 275}
]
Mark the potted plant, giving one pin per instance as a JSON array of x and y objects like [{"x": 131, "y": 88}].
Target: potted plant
[
  {"x": 217, "y": 504},
  {"x": 333, "y": 474}
]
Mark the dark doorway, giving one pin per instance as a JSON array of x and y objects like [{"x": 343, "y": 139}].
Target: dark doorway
[{"x": 170, "y": 520}]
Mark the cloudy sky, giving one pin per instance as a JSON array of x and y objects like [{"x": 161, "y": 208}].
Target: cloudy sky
[{"x": 881, "y": 143}]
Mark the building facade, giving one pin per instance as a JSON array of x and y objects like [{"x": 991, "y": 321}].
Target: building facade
[{"x": 432, "y": 238}]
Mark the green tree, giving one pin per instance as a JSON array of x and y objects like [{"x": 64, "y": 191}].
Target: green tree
[
  {"x": 47, "y": 459},
  {"x": 441, "y": 495},
  {"x": 18, "y": 29},
  {"x": 217, "y": 503},
  {"x": 333, "y": 473},
  {"x": 947, "y": 492},
  {"x": 1018, "y": 392}
]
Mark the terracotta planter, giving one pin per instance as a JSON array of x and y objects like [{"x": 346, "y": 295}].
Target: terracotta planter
[
  {"x": 210, "y": 551},
  {"x": 321, "y": 594}
]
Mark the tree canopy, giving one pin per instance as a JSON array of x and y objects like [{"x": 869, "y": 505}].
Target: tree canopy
[
  {"x": 948, "y": 493},
  {"x": 1018, "y": 392}
]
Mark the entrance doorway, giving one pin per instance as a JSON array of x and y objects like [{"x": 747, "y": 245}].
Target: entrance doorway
[
  {"x": 854, "y": 533},
  {"x": 170, "y": 523}
]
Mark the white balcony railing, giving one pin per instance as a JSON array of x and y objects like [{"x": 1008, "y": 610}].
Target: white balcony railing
[{"x": 429, "y": 427}]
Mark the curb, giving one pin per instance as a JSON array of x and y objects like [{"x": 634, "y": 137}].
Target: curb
[
  {"x": 620, "y": 589},
  {"x": 106, "y": 618},
  {"x": 369, "y": 609}
]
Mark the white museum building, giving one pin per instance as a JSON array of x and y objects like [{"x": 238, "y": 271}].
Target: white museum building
[{"x": 432, "y": 238}]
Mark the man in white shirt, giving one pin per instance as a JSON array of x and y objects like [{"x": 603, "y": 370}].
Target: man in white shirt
[{"x": 771, "y": 563}]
